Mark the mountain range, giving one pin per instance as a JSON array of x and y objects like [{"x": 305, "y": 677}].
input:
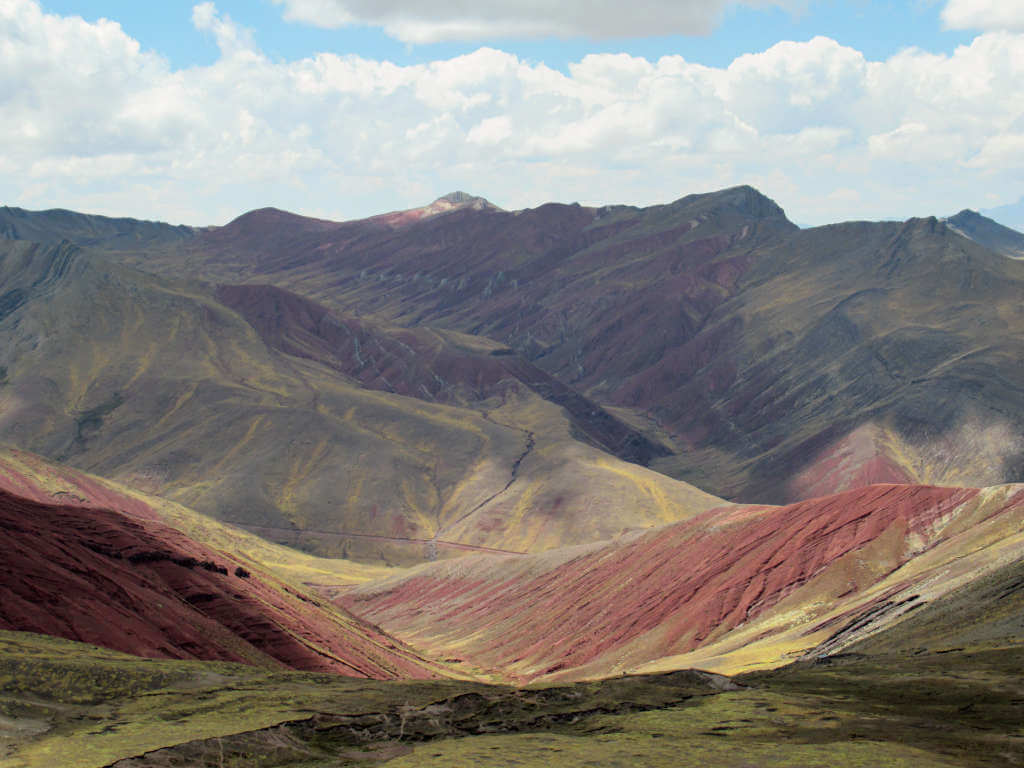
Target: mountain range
[
  {"x": 464, "y": 445},
  {"x": 1010, "y": 215},
  {"x": 735, "y": 351}
]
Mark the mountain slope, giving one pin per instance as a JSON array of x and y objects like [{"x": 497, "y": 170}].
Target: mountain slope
[
  {"x": 728, "y": 590},
  {"x": 985, "y": 613},
  {"x": 555, "y": 281},
  {"x": 32, "y": 477},
  {"x": 1011, "y": 215},
  {"x": 436, "y": 366},
  {"x": 158, "y": 384},
  {"x": 989, "y": 233},
  {"x": 87, "y": 230},
  {"x": 126, "y": 581},
  {"x": 903, "y": 338},
  {"x": 774, "y": 362}
]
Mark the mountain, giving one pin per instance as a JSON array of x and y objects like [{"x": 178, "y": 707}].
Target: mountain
[
  {"x": 859, "y": 353},
  {"x": 730, "y": 590},
  {"x": 708, "y": 338},
  {"x": 453, "y": 201},
  {"x": 56, "y": 225},
  {"x": 510, "y": 389},
  {"x": 1011, "y": 215},
  {"x": 989, "y": 233},
  {"x": 262, "y": 409},
  {"x": 425, "y": 363},
  {"x": 97, "y": 566},
  {"x": 772, "y": 362},
  {"x": 983, "y": 614}
]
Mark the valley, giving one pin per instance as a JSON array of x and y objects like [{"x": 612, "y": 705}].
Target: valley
[{"x": 676, "y": 485}]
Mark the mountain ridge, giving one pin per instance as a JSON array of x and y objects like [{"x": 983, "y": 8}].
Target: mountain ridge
[
  {"x": 159, "y": 384},
  {"x": 988, "y": 232},
  {"x": 98, "y": 566},
  {"x": 757, "y": 352},
  {"x": 730, "y": 590}
]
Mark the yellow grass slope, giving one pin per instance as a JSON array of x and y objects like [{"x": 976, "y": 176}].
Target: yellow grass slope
[{"x": 153, "y": 383}]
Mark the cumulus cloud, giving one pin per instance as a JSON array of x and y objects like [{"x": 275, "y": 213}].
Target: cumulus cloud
[
  {"x": 231, "y": 39},
  {"x": 984, "y": 14},
  {"x": 94, "y": 123},
  {"x": 413, "y": 21}
]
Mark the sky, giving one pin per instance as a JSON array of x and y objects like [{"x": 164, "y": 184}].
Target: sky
[{"x": 197, "y": 112}]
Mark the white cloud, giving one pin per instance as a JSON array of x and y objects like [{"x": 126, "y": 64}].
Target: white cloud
[
  {"x": 1005, "y": 151},
  {"x": 92, "y": 122},
  {"x": 984, "y": 14},
  {"x": 413, "y": 21},
  {"x": 231, "y": 39},
  {"x": 491, "y": 131}
]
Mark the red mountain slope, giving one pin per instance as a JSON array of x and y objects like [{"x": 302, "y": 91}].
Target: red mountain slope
[
  {"x": 88, "y": 573},
  {"x": 607, "y": 608},
  {"x": 425, "y": 363}
]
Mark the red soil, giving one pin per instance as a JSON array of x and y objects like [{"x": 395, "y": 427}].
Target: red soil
[
  {"x": 87, "y": 493},
  {"x": 692, "y": 581},
  {"x": 94, "y": 575},
  {"x": 411, "y": 362},
  {"x": 857, "y": 460}
]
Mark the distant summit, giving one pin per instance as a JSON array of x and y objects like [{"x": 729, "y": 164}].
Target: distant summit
[
  {"x": 743, "y": 199},
  {"x": 460, "y": 198},
  {"x": 453, "y": 201},
  {"x": 1011, "y": 215},
  {"x": 989, "y": 233},
  {"x": 751, "y": 201}
]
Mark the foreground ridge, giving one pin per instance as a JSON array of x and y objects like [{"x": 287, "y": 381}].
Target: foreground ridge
[{"x": 729, "y": 590}]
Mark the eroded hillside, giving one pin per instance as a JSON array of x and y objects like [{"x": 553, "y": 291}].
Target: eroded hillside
[{"x": 773, "y": 362}]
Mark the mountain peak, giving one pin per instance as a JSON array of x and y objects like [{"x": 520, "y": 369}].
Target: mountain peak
[
  {"x": 453, "y": 201},
  {"x": 460, "y": 199},
  {"x": 743, "y": 199},
  {"x": 988, "y": 233},
  {"x": 751, "y": 201}
]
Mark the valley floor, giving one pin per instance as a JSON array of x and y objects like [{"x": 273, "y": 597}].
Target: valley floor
[{"x": 78, "y": 706}]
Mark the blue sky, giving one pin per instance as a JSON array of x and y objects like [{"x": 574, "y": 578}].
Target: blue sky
[
  {"x": 878, "y": 28},
  {"x": 197, "y": 111}
]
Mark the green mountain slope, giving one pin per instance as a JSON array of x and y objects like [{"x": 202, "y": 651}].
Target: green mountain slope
[
  {"x": 158, "y": 384},
  {"x": 87, "y": 230},
  {"x": 776, "y": 363}
]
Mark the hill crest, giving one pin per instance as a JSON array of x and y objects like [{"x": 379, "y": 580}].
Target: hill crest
[{"x": 988, "y": 232}]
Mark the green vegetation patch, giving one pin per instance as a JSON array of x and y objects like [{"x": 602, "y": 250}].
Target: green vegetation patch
[
  {"x": 77, "y": 706},
  {"x": 965, "y": 706},
  {"x": 745, "y": 729}
]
